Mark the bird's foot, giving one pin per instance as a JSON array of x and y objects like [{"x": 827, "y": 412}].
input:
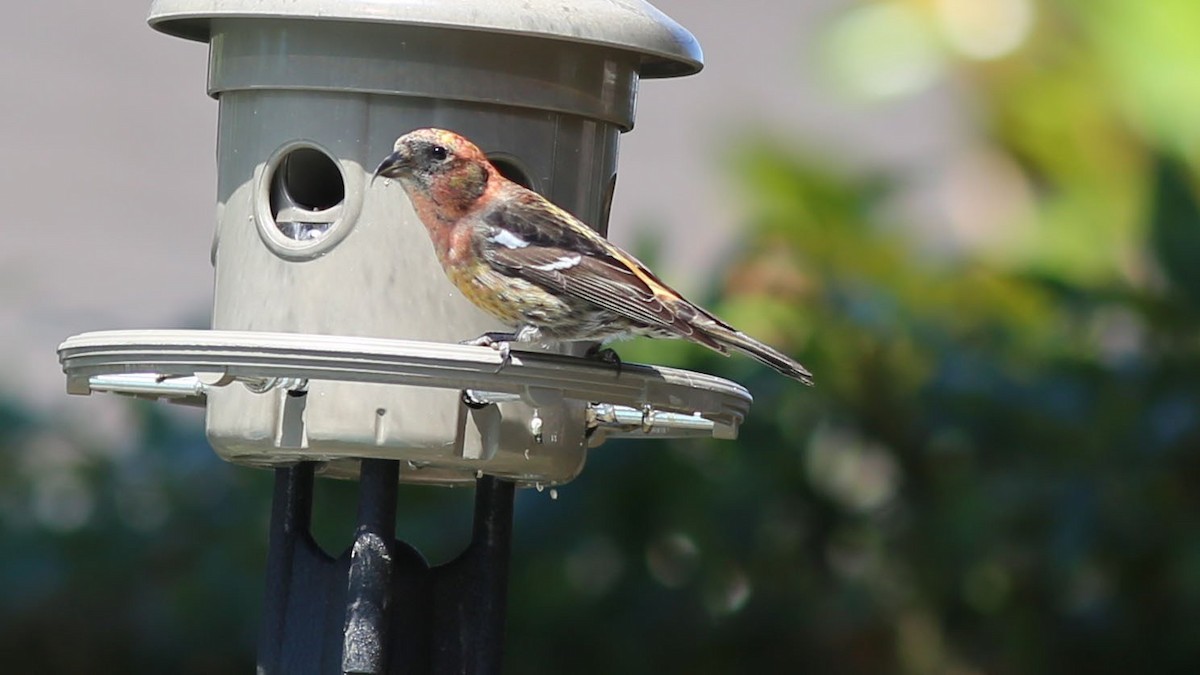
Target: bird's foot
[
  {"x": 501, "y": 342},
  {"x": 604, "y": 355},
  {"x": 490, "y": 339}
]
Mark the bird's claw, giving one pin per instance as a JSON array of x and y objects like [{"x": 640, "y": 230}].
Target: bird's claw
[
  {"x": 501, "y": 342},
  {"x": 604, "y": 355},
  {"x": 505, "y": 349}
]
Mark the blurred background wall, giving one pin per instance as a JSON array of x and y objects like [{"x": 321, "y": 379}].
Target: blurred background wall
[{"x": 975, "y": 220}]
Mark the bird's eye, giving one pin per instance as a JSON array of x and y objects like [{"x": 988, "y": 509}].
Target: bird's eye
[{"x": 438, "y": 152}]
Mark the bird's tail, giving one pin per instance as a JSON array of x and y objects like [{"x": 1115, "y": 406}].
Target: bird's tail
[{"x": 764, "y": 354}]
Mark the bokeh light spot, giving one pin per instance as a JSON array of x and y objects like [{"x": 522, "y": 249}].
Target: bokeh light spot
[
  {"x": 672, "y": 559},
  {"x": 594, "y": 566},
  {"x": 61, "y": 501},
  {"x": 985, "y": 29},
  {"x": 882, "y": 50}
]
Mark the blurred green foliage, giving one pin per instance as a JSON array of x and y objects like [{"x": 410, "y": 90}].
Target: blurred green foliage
[{"x": 997, "y": 472}]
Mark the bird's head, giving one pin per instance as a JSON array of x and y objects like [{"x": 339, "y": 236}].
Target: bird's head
[{"x": 437, "y": 164}]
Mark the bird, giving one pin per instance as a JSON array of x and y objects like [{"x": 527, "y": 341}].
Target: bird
[{"x": 540, "y": 270}]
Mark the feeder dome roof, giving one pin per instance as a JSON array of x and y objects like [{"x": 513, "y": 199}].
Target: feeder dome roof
[{"x": 666, "y": 48}]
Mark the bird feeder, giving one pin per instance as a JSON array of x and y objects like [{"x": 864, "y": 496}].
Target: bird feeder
[
  {"x": 334, "y": 341},
  {"x": 334, "y": 331}
]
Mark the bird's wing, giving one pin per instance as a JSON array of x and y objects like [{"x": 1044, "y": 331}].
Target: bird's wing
[{"x": 530, "y": 238}]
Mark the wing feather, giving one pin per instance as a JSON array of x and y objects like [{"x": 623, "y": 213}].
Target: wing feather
[
  {"x": 604, "y": 275},
  {"x": 592, "y": 279}
]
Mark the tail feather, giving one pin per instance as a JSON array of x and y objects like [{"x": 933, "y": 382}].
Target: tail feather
[{"x": 762, "y": 353}]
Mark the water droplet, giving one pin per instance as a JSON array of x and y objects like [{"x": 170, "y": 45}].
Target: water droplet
[
  {"x": 539, "y": 486},
  {"x": 553, "y": 494},
  {"x": 535, "y": 427}
]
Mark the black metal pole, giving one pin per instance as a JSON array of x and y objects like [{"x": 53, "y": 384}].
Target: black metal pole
[
  {"x": 291, "y": 515},
  {"x": 471, "y": 592},
  {"x": 492, "y": 546},
  {"x": 379, "y": 608},
  {"x": 368, "y": 592}
]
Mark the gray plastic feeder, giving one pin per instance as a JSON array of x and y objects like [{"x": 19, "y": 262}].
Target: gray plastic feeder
[{"x": 312, "y": 95}]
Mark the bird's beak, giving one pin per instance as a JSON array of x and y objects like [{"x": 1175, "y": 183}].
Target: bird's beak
[{"x": 394, "y": 165}]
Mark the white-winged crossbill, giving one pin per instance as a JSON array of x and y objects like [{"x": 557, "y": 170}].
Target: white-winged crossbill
[{"x": 537, "y": 268}]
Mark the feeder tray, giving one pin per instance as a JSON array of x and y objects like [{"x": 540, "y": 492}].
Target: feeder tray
[{"x": 183, "y": 366}]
